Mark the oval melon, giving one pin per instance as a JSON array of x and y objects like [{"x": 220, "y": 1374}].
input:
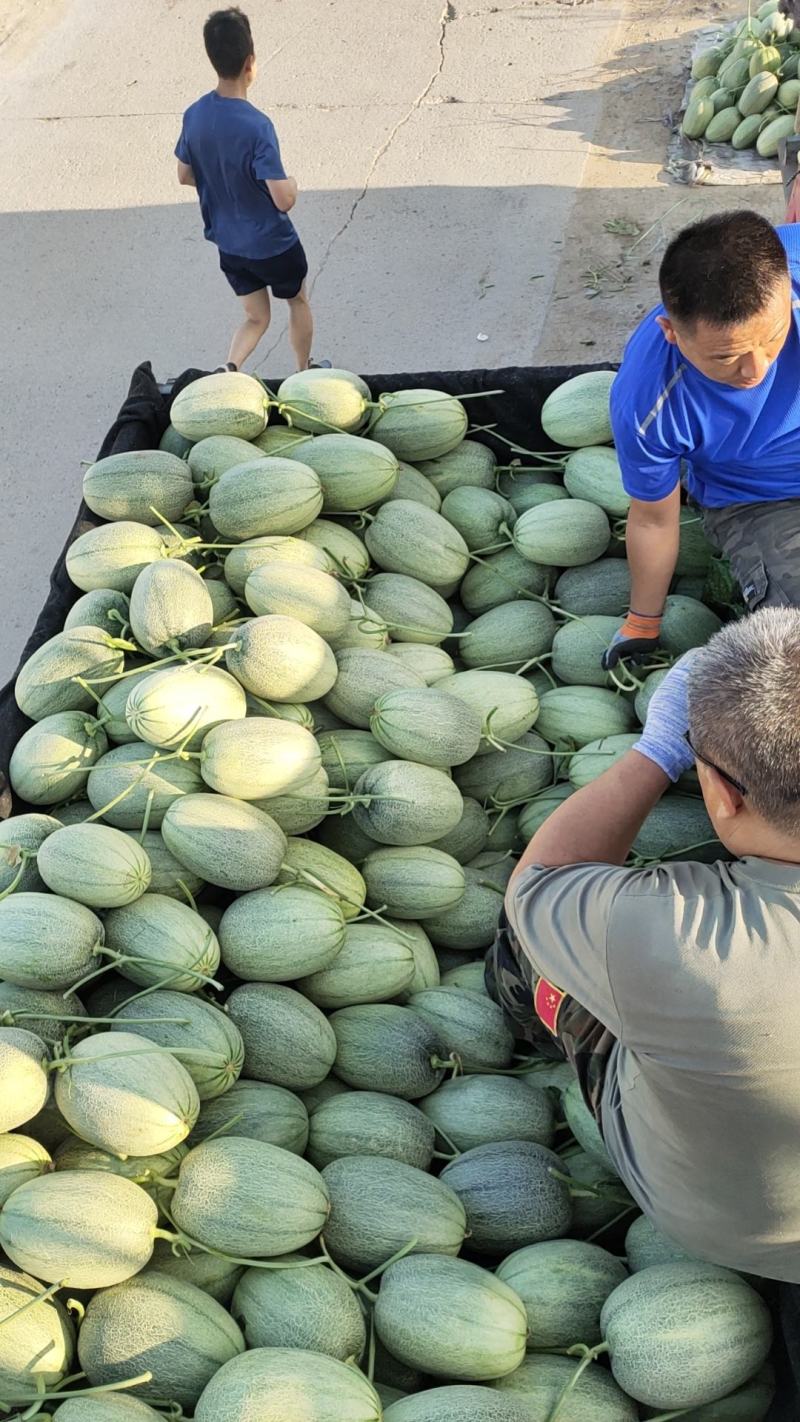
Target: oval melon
[
  {"x": 113, "y": 555},
  {"x": 178, "y": 705},
  {"x": 290, "y": 590},
  {"x": 257, "y": 1110},
  {"x": 399, "y": 802},
  {"x": 386, "y": 1048},
  {"x": 99, "y": 866},
  {"x": 51, "y": 760},
  {"x": 354, "y": 473},
  {"x": 47, "y": 941},
  {"x": 201, "y": 1035},
  {"x": 281, "y": 659},
  {"x": 300, "y": 1308},
  {"x": 88, "y": 1229},
  {"x": 230, "y": 403},
  {"x": 541, "y": 1379},
  {"x": 510, "y": 1195},
  {"x": 419, "y": 425},
  {"x": 132, "y": 484},
  {"x": 46, "y": 683},
  {"x": 378, "y": 1206},
  {"x": 564, "y": 534},
  {"x": 363, "y": 677},
  {"x": 257, "y": 552},
  {"x": 282, "y": 933},
  {"x": 321, "y": 400},
  {"x": 257, "y": 758},
  {"x": 405, "y": 537},
  {"x": 475, "y": 1110},
  {"x": 288, "y": 1384},
  {"x": 162, "y": 943},
  {"x": 225, "y": 841},
  {"x": 265, "y": 496},
  {"x": 563, "y": 1284},
  {"x": 415, "y": 882},
  {"x": 370, "y": 1123},
  {"x": 18, "y": 833},
  {"x": 287, "y": 1040},
  {"x": 130, "y": 775}
]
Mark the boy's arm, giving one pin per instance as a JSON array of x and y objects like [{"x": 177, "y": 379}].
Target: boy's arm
[
  {"x": 283, "y": 192},
  {"x": 186, "y": 177}
]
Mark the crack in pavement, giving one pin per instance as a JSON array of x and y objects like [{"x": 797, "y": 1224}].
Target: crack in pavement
[{"x": 447, "y": 16}]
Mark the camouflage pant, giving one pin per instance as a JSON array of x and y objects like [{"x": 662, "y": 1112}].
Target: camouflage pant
[
  {"x": 762, "y": 543},
  {"x": 512, "y": 981}
]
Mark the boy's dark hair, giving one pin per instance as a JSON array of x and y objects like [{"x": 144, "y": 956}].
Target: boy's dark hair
[
  {"x": 229, "y": 41},
  {"x": 722, "y": 270}
]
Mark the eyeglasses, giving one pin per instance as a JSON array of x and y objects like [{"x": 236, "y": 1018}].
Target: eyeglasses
[{"x": 712, "y": 765}]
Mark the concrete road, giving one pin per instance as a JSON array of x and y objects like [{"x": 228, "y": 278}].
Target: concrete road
[{"x": 438, "y": 174}]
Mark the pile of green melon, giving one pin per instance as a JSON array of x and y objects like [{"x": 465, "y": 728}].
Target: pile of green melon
[
  {"x": 746, "y": 87},
  {"x": 268, "y": 1150}
]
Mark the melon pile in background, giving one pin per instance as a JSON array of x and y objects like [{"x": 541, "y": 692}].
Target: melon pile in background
[
  {"x": 746, "y": 88},
  {"x": 268, "y": 1150}
]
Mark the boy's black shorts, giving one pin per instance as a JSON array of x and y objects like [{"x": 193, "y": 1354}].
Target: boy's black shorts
[{"x": 284, "y": 274}]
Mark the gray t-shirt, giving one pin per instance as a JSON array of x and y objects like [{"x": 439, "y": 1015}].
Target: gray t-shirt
[{"x": 695, "y": 968}]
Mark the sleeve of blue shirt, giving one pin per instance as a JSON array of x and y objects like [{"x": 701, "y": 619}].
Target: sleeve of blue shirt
[
  {"x": 182, "y": 149},
  {"x": 650, "y": 468},
  {"x": 267, "y": 162}
]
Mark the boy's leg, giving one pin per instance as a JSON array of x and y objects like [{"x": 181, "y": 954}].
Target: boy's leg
[
  {"x": 247, "y": 336},
  {"x": 301, "y": 327},
  {"x": 762, "y": 543}
]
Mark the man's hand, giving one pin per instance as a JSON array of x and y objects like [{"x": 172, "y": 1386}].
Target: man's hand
[
  {"x": 664, "y": 737},
  {"x": 636, "y": 638}
]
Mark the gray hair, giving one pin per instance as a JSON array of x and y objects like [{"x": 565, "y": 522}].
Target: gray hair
[{"x": 744, "y": 709}]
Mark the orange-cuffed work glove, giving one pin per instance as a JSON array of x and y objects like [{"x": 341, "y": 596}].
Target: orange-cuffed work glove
[{"x": 637, "y": 636}]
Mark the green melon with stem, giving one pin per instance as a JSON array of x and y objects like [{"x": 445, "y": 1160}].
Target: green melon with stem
[
  {"x": 510, "y": 1194},
  {"x": 306, "y": 862},
  {"x": 170, "y": 608},
  {"x": 265, "y": 496},
  {"x": 374, "y": 964},
  {"x": 412, "y": 484},
  {"x": 105, "y": 1407},
  {"x": 562, "y": 534},
  {"x": 476, "y": 1110},
  {"x": 148, "y": 1171},
  {"x": 364, "y": 628},
  {"x": 399, "y": 802},
  {"x": 470, "y": 1025},
  {"x": 254, "y": 553},
  {"x": 419, "y": 425},
  {"x": 469, "y": 836},
  {"x": 46, "y": 1014},
  {"x": 300, "y": 1308},
  {"x": 20, "y": 838},
  {"x": 249, "y": 1199},
  {"x": 347, "y": 753},
  {"x": 450, "y": 1318},
  {"x": 344, "y": 552},
  {"x": 481, "y": 516},
  {"x": 405, "y": 537},
  {"x": 211, "y": 457},
  {"x": 593, "y": 473},
  {"x": 113, "y": 555},
  {"x": 321, "y": 400},
  {"x": 506, "y": 704},
  {"x": 573, "y": 716},
  {"x": 469, "y": 464},
  {"x": 133, "y": 484},
  {"x": 378, "y": 1206},
  {"x": 46, "y": 683},
  {"x": 167, "y": 874},
  {"x": 302, "y": 808},
  {"x": 142, "y": 781},
  {"x": 230, "y": 403},
  {"x": 113, "y": 702},
  {"x": 597, "y": 757},
  {"x": 94, "y": 864},
  {"x": 386, "y": 1048},
  {"x": 370, "y": 1123},
  {"x": 37, "y": 1346},
  {"x": 21, "y": 1159},
  {"x": 82, "y": 1228},
  {"x": 576, "y": 413},
  {"x": 52, "y": 759},
  {"x": 509, "y": 637},
  {"x": 258, "y": 758},
  {"x": 427, "y": 726},
  {"x": 563, "y": 1284},
  {"x": 162, "y": 1325},
  {"x": 282, "y": 933},
  {"x": 501, "y": 577},
  {"x": 158, "y": 942},
  {"x": 47, "y": 941},
  {"x": 201, "y": 1035},
  {"x": 288, "y": 1385},
  {"x": 277, "y": 439},
  {"x": 413, "y": 612},
  {"x": 602, "y": 588},
  {"x": 682, "y": 1335},
  {"x": 416, "y": 882},
  {"x": 176, "y": 706},
  {"x": 433, "y": 664},
  {"x": 541, "y": 1379},
  {"x": 506, "y": 777},
  {"x": 290, "y": 590},
  {"x": 364, "y": 676},
  {"x": 287, "y": 1040},
  {"x": 281, "y": 659},
  {"x": 354, "y": 472},
  {"x": 258, "y": 1110},
  {"x": 678, "y": 827},
  {"x": 125, "y": 1096},
  {"x": 215, "y": 1275},
  {"x": 24, "y": 1083},
  {"x": 226, "y": 841}
]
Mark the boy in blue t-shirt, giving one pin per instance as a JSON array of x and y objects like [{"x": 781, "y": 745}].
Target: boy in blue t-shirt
[{"x": 229, "y": 151}]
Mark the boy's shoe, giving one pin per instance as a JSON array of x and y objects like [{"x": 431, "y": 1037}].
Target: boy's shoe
[
  {"x": 221, "y": 369},
  {"x": 319, "y": 365}
]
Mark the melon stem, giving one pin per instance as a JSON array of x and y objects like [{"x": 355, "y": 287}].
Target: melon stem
[
  {"x": 588, "y": 1356},
  {"x": 547, "y": 456},
  {"x": 610, "y": 1223},
  {"x": 36, "y": 1299},
  {"x": 25, "y": 855},
  {"x": 42, "y": 1397}
]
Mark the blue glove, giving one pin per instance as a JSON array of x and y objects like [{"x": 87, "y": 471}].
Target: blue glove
[{"x": 664, "y": 737}]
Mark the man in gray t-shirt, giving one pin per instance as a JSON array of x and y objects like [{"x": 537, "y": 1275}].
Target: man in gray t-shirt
[{"x": 691, "y": 970}]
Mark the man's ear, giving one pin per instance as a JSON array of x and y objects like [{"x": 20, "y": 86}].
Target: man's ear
[
  {"x": 723, "y": 800},
  {"x": 668, "y": 329}
]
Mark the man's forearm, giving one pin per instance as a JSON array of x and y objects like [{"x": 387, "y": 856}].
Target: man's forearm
[
  {"x": 599, "y": 823},
  {"x": 652, "y": 549}
]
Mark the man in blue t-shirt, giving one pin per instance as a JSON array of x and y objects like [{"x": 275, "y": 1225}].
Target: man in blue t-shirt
[
  {"x": 709, "y": 392},
  {"x": 229, "y": 151}
]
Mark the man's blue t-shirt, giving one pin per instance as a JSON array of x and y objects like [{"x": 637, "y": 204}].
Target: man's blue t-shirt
[
  {"x": 232, "y": 149},
  {"x": 739, "y": 446}
]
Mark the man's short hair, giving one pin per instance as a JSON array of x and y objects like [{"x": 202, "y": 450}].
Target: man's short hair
[
  {"x": 722, "y": 270},
  {"x": 229, "y": 41},
  {"x": 744, "y": 709}
]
